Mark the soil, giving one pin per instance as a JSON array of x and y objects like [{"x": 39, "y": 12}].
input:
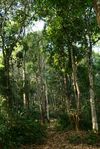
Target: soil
[{"x": 58, "y": 140}]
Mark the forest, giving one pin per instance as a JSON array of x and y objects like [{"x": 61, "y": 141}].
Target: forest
[{"x": 50, "y": 77}]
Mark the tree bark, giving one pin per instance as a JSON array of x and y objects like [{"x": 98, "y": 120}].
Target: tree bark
[
  {"x": 75, "y": 81},
  {"x": 91, "y": 89},
  {"x": 76, "y": 89},
  {"x": 42, "y": 88},
  {"x": 47, "y": 104},
  {"x": 97, "y": 10},
  {"x": 6, "y": 58},
  {"x": 67, "y": 94},
  {"x": 25, "y": 85}
]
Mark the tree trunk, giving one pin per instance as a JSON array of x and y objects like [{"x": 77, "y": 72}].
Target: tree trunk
[
  {"x": 75, "y": 81},
  {"x": 6, "y": 58},
  {"x": 25, "y": 85},
  {"x": 91, "y": 89},
  {"x": 97, "y": 10},
  {"x": 67, "y": 94},
  {"x": 41, "y": 85},
  {"x": 47, "y": 104},
  {"x": 76, "y": 88},
  {"x": 8, "y": 87}
]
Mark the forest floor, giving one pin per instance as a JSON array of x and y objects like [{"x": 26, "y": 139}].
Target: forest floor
[{"x": 59, "y": 140}]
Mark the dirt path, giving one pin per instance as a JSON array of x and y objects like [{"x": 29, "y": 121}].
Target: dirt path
[{"x": 57, "y": 140}]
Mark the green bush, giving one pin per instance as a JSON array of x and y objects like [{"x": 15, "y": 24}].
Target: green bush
[
  {"x": 64, "y": 122},
  {"x": 89, "y": 138},
  {"x": 27, "y": 132},
  {"x": 16, "y": 132},
  {"x": 85, "y": 119},
  {"x": 74, "y": 139},
  {"x": 3, "y": 131},
  {"x": 92, "y": 138}
]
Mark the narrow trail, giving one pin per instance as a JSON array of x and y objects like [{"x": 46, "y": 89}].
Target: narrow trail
[{"x": 58, "y": 140}]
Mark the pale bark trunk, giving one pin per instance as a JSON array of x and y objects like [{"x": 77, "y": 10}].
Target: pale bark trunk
[
  {"x": 25, "y": 88},
  {"x": 47, "y": 104},
  {"x": 67, "y": 96},
  {"x": 42, "y": 99},
  {"x": 41, "y": 85},
  {"x": 76, "y": 90},
  {"x": 24, "y": 100},
  {"x": 75, "y": 81},
  {"x": 91, "y": 90},
  {"x": 97, "y": 10}
]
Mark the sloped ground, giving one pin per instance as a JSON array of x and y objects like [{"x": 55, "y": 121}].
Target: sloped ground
[{"x": 59, "y": 140}]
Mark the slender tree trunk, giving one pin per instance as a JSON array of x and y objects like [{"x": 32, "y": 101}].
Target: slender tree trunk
[
  {"x": 76, "y": 89},
  {"x": 42, "y": 87},
  {"x": 8, "y": 87},
  {"x": 90, "y": 68},
  {"x": 91, "y": 89},
  {"x": 66, "y": 90},
  {"x": 75, "y": 81},
  {"x": 6, "y": 58},
  {"x": 25, "y": 85},
  {"x": 24, "y": 98},
  {"x": 47, "y": 104},
  {"x": 97, "y": 10}
]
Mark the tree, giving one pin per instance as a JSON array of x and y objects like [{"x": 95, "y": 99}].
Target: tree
[
  {"x": 50, "y": 70},
  {"x": 89, "y": 38},
  {"x": 97, "y": 10},
  {"x": 15, "y": 17}
]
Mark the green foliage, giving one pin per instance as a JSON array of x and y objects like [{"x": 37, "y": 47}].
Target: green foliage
[
  {"x": 63, "y": 122},
  {"x": 92, "y": 138},
  {"x": 66, "y": 122},
  {"x": 31, "y": 59},
  {"x": 86, "y": 138},
  {"x": 3, "y": 130},
  {"x": 2, "y": 81},
  {"x": 17, "y": 131},
  {"x": 26, "y": 132},
  {"x": 74, "y": 139},
  {"x": 85, "y": 118}
]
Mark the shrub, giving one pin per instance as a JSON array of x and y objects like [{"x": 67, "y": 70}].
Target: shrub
[
  {"x": 21, "y": 131},
  {"x": 92, "y": 138},
  {"x": 74, "y": 139},
  {"x": 89, "y": 138},
  {"x": 27, "y": 132},
  {"x": 85, "y": 121},
  {"x": 64, "y": 122},
  {"x": 85, "y": 116}
]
